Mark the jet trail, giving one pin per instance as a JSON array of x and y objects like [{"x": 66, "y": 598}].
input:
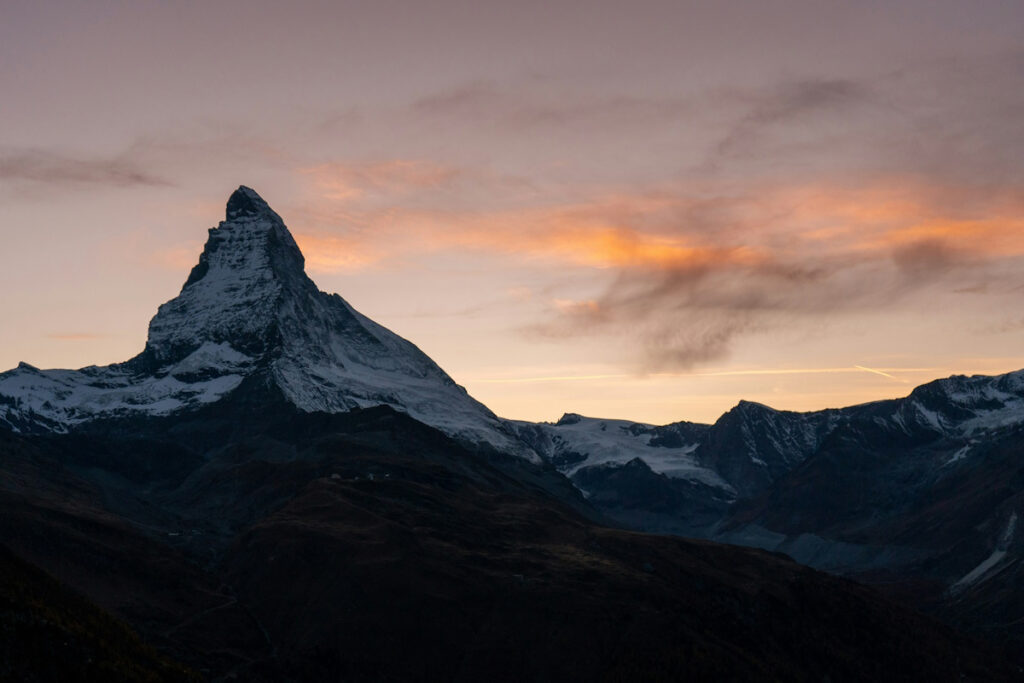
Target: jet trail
[{"x": 714, "y": 373}]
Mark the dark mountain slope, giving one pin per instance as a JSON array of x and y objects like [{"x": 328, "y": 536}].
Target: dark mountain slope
[
  {"x": 48, "y": 633},
  {"x": 367, "y": 546},
  {"x": 918, "y": 495},
  {"x": 399, "y": 581},
  {"x": 931, "y": 518}
]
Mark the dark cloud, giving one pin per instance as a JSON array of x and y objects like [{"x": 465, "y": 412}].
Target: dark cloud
[
  {"x": 951, "y": 121},
  {"x": 52, "y": 168},
  {"x": 675, "y": 318},
  {"x": 685, "y": 346},
  {"x": 460, "y": 98},
  {"x": 788, "y": 103},
  {"x": 681, "y": 316},
  {"x": 928, "y": 259}
]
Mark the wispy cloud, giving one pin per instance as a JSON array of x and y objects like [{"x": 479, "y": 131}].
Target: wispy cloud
[
  {"x": 56, "y": 168},
  {"x": 788, "y": 103}
]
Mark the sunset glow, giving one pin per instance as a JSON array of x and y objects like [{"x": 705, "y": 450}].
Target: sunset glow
[{"x": 561, "y": 228}]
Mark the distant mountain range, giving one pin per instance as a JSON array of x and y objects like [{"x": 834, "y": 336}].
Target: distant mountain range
[
  {"x": 920, "y": 495},
  {"x": 278, "y": 488}
]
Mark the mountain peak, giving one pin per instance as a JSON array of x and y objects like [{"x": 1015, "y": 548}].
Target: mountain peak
[
  {"x": 248, "y": 311},
  {"x": 245, "y": 201},
  {"x": 249, "y": 266}
]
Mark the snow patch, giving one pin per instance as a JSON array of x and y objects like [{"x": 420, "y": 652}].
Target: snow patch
[
  {"x": 980, "y": 572},
  {"x": 585, "y": 441},
  {"x": 959, "y": 455}
]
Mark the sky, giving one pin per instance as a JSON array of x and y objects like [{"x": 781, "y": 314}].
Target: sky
[{"x": 644, "y": 210}]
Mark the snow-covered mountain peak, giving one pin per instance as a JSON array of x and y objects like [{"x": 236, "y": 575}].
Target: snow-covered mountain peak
[
  {"x": 249, "y": 266},
  {"x": 246, "y": 310}
]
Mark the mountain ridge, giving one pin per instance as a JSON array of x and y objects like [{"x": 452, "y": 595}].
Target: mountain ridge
[{"x": 917, "y": 495}]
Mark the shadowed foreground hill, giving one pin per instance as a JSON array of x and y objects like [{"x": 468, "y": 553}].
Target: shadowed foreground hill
[
  {"x": 49, "y": 633},
  {"x": 367, "y": 546}
]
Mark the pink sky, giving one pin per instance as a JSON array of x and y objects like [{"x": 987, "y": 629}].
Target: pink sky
[{"x": 647, "y": 212}]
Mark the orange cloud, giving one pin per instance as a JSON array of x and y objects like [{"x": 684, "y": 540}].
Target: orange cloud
[
  {"x": 624, "y": 248},
  {"x": 560, "y": 238},
  {"x": 658, "y": 229},
  {"x": 572, "y": 306},
  {"x": 551, "y": 234},
  {"x": 899, "y": 212},
  {"x": 693, "y": 269}
]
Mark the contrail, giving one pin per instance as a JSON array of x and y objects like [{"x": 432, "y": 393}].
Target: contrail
[
  {"x": 879, "y": 372},
  {"x": 777, "y": 371},
  {"x": 713, "y": 373},
  {"x": 567, "y": 378}
]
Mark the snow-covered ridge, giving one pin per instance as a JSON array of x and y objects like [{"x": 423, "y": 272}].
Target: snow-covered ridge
[
  {"x": 575, "y": 442},
  {"x": 965, "y": 406},
  {"x": 248, "y": 307},
  {"x": 58, "y": 400},
  {"x": 753, "y": 445}
]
